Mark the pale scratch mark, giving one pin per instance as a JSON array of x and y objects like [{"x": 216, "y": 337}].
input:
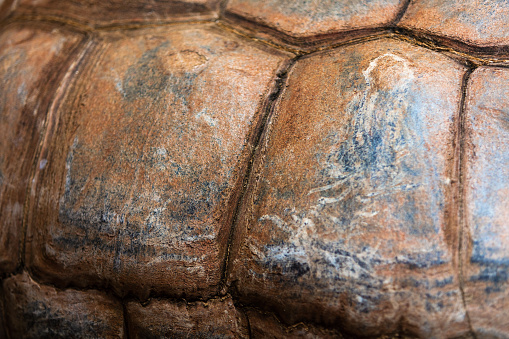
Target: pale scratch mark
[
  {"x": 328, "y": 187},
  {"x": 366, "y": 214},
  {"x": 326, "y": 201},
  {"x": 275, "y": 219}
]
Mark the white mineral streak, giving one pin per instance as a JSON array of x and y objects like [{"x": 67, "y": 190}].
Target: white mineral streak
[
  {"x": 317, "y": 236},
  {"x": 403, "y": 67}
]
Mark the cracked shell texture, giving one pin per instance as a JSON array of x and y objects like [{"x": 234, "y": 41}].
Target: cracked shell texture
[
  {"x": 486, "y": 258},
  {"x": 30, "y": 65},
  {"x": 345, "y": 221},
  {"x": 144, "y": 168},
  {"x": 37, "y": 311},
  {"x": 216, "y": 318},
  {"x": 480, "y": 23},
  {"x": 115, "y": 12},
  {"x": 303, "y": 18},
  {"x": 265, "y": 325}
]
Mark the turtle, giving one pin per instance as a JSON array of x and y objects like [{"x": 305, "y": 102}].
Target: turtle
[{"x": 254, "y": 169}]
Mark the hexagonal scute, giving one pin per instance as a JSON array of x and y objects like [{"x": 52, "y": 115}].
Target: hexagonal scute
[
  {"x": 348, "y": 218},
  {"x": 146, "y": 164},
  {"x": 31, "y": 64},
  {"x": 117, "y": 12},
  {"x": 479, "y": 23},
  {"x": 38, "y": 311},
  {"x": 486, "y": 237},
  {"x": 216, "y": 318},
  {"x": 304, "y": 18}
]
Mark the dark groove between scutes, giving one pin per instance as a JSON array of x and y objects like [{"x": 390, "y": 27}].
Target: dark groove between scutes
[
  {"x": 475, "y": 56},
  {"x": 402, "y": 12},
  {"x": 487, "y": 55},
  {"x": 126, "y": 320},
  {"x": 268, "y": 107},
  {"x": 461, "y": 192}
]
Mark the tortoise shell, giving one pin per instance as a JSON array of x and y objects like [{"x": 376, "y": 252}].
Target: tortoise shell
[{"x": 248, "y": 168}]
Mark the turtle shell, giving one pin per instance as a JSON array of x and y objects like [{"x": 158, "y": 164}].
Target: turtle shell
[{"x": 248, "y": 168}]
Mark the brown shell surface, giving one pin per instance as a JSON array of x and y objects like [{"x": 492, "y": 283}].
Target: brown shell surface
[{"x": 254, "y": 169}]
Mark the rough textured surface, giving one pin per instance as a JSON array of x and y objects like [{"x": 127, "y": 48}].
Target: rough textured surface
[
  {"x": 146, "y": 162},
  {"x": 486, "y": 255},
  {"x": 31, "y": 65},
  {"x": 35, "y": 311},
  {"x": 216, "y": 318},
  {"x": 266, "y": 326},
  {"x": 345, "y": 221},
  {"x": 313, "y": 168},
  {"x": 480, "y": 23},
  {"x": 115, "y": 12},
  {"x": 307, "y": 18}
]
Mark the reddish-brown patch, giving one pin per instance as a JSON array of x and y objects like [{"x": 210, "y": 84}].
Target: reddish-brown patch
[
  {"x": 145, "y": 165},
  {"x": 479, "y": 23},
  {"x": 344, "y": 218},
  {"x": 311, "y": 18},
  {"x": 32, "y": 61}
]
